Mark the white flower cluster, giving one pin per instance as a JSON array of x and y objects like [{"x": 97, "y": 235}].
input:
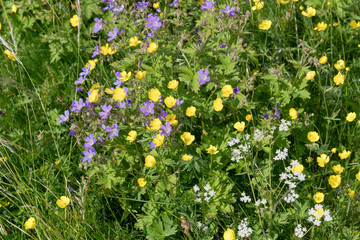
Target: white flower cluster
[
  {"x": 208, "y": 194},
  {"x": 284, "y": 125},
  {"x": 262, "y": 201},
  {"x": 300, "y": 231},
  {"x": 241, "y": 150},
  {"x": 281, "y": 155},
  {"x": 291, "y": 196},
  {"x": 245, "y": 198},
  {"x": 202, "y": 226},
  {"x": 244, "y": 229},
  {"x": 292, "y": 173},
  {"x": 317, "y": 213},
  {"x": 258, "y": 135}
]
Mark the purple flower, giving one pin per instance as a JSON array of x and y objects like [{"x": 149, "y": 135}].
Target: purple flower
[
  {"x": 106, "y": 111},
  {"x": 179, "y": 102},
  {"x": 79, "y": 81},
  {"x": 149, "y": 34},
  {"x": 162, "y": 115},
  {"x": 112, "y": 35},
  {"x": 65, "y": 117},
  {"x": 222, "y": 45},
  {"x": 152, "y": 145},
  {"x": 97, "y": 50},
  {"x": 72, "y": 132},
  {"x": 141, "y": 6},
  {"x": 266, "y": 115},
  {"x": 149, "y": 108},
  {"x": 120, "y": 104},
  {"x": 89, "y": 141},
  {"x": 70, "y": 189},
  {"x": 236, "y": 90},
  {"x": 208, "y": 5},
  {"x": 85, "y": 71},
  {"x": 166, "y": 129},
  {"x": 88, "y": 155},
  {"x": 203, "y": 76},
  {"x": 153, "y": 22},
  {"x": 79, "y": 89},
  {"x": 277, "y": 111},
  {"x": 118, "y": 10},
  {"x": 175, "y": 3},
  {"x": 228, "y": 11},
  {"x": 110, "y": 5},
  {"x": 128, "y": 102},
  {"x": 113, "y": 131},
  {"x": 98, "y": 24},
  {"x": 76, "y": 106}
]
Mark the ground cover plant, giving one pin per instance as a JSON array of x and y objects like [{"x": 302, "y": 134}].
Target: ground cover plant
[{"x": 179, "y": 119}]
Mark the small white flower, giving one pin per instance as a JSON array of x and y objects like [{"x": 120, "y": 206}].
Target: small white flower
[
  {"x": 196, "y": 188},
  {"x": 207, "y": 187},
  {"x": 300, "y": 231}
]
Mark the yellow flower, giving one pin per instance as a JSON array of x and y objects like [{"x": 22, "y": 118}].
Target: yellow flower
[
  {"x": 293, "y": 113},
  {"x": 57, "y": 162},
  {"x": 265, "y": 25},
  {"x": 333, "y": 150},
  {"x": 156, "y": 5},
  {"x": 354, "y": 24},
  {"x": 155, "y": 124},
  {"x": 351, "y": 117},
  {"x": 190, "y": 111},
  {"x": 338, "y": 169},
  {"x": 74, "y": 21},
  {"x": 283, "y": 2},
  {"x": 92, "y": 64},
  {"x": 239, "y": 126},
  {"x": 108, "y": 91},
  {"x": 63, "y": 201},
  {"x": 321, "y": 26},
  {"x": 328, "y": 3},
  {"x": 158, "y": 140},
  {"x": 140, "y": 74},
  {"x": 334, "y": 180},
  {"x": 141, "y": 182},
  {"x": 119, "y": 94},
  {"x": 94, "y": 96},
  {"x": 310, "y": 75},
  {"x": 339, "y": 79},
  {"x": 171, "y": 118},
  {"x": 318, "y": 197},
  {"x": 187, "y": 157},
  {"x": 227, "y": 90},
  {"x": 152, "y": 47},
  {"x": 187, "y": 138},
  {"x": 150, "y": 161},
  {"x": 170, "y": 101},
  {"x": 131, "y": 136},
  {"x": 259, "y": 5},
  {"x": 154, "y": 94},
  {"x": 301, "y": 8},
  {"x": 298, "y": 169},
  {"x": 105, "y": 50},
  {"x": 313, "y": 136},
  {"x": 30, "y": 223},
  {"x": 229, "y": 234},
  {"x": 134, "y": 41},
  {"x": 347, "y": 69},
  {"x": 318, "y": 214},
  {"x": 339, "y": 65},
  {"x": 248, "y": 117},
  {"x": 345, "y": 154},
  {"x": 173, "y": 84},
  {"x": 309, "y": 159},
  {"x": 218, "y": 104},
  {"x": 10, "y": 55},
  {"x": 212, "y": 150},
  {"x": 358, "y": 176},
  {"x": 323, "y": 60},
  {"x": 310, "y": 12},
  {"x": 322, "y": 160},
  {"x": 351, "y": 193},
  {"x": 0, "y": 26},
  {"x": 14, "y": 9},
  {"x": 125, "y": 76}
]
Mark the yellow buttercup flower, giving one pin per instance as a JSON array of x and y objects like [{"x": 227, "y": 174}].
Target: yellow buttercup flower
[
  {"x": 190, "y": 111},
  {"x": 154, "y": 94},
  {"x": 333, "y": 150},
  {"x": 156, "y": 5},
  {"x": 313, "y": 136},
  {"x": 318, "y": 197},
  {"x": 339, "y": 65},
  {"x": 321, "y": 26},
  {"x": 170, "y": 101},
  {"x": 323, "y": 60},
  {"x": 265, "y": 25},
  {"x": 229, "y": 234},
  {"x": 297, "y": 169},
  {"x": 259, "y": 5},
  {"x": 173, "y": 84},
  {"x": 339, "y": 79},
  {"x": 131, "y": 136},
  {"x": 227, "y": 90},
  {"x": 347, "y": 69},
  {"x": 63, "y": 201},
  {"x": 310, "y": 12},
  {"x": 284, "y": 2},
  {"x": 74, "y": 21},
  {"x": 351, "y": 117},
  {"x": 140, "y": 75},
  {"x": 142, "y": 182},
  {"x": 351, "y": 193},
  {"x": 134, "y": 41},
  {"x": 322, "y": 160},
  {"x": 187, "y": 157},
  {"x": 155, "y": 124},
  {"x": 30, "y": 223},
  {"x": 345, "y": 154},
  {"x": 94, "y": 96},
  {"x": 10, "y": 55},
  {"x": 119, "y": 94},
  {"x": 310, "y": 75},
  {"x": 293, "y": 113},
  {"x": 108, "y": 91},
  {"x": 239, "y": 126},
  {"x": 57, "y": 162},
  {"x": 92, "y": 64},
  {"x": 171, "y": 118},
  {"x": 152, "y": 47},
  {"x": 150, "y": 161},
  {"x": 14, "y": 9},
  {"x": 301, "y": 8},
  {"x": 354, "y": 24},
  {"x": 358, "y": 176},
  {"x": 187, "y": 138},
  {"x": 105, "y": 50},
  {"x": 338, "y": 169},
  {"x": 158, "y": 140},
  {"x": 248, "y": 117},
  {"x": 334, "y": 180},
  {"x": 218, "y": 104},
  {"x": 125, "y": 76},
  {"x": 212, "y": 150}
]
